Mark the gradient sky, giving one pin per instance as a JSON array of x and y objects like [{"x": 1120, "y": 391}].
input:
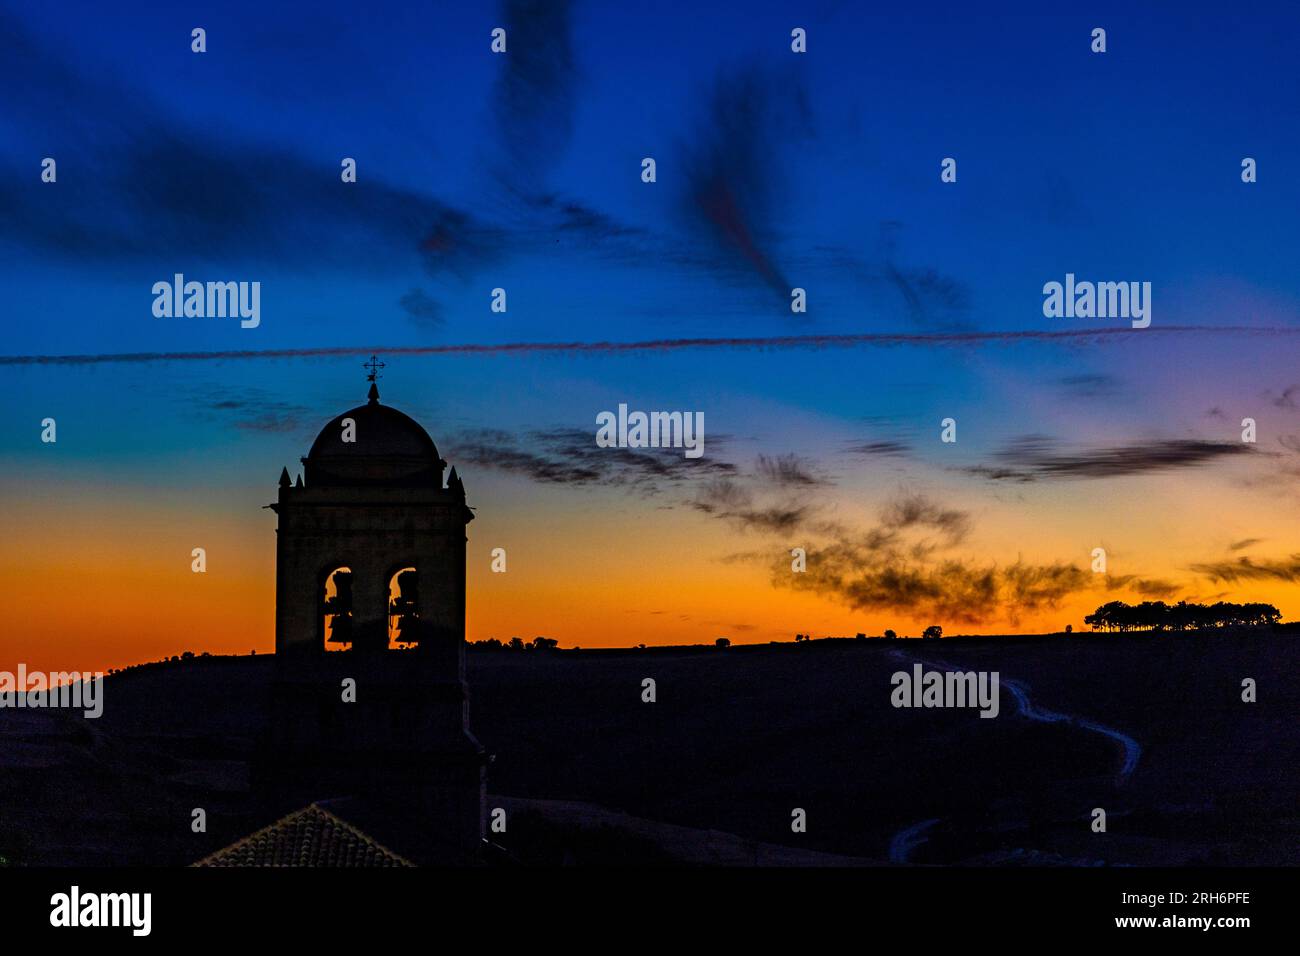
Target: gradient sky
[{"x": 775, "y": 170}]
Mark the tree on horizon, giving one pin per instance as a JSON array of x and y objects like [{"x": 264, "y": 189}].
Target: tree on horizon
[{"x": 1159, "y": 616}]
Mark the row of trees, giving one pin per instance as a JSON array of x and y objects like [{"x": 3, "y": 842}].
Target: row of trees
[
  {"x": 517, "y": 644},
  {"x": 1159, "y": 616}
]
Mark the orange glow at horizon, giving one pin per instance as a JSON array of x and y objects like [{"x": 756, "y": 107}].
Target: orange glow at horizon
[{"x": 100, "y": 577}]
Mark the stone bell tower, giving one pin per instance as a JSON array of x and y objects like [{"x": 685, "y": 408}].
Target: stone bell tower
[{"x": 369, "y": 698}]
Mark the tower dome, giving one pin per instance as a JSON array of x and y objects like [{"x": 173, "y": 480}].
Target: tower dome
[{"x": 374, "y": 444}]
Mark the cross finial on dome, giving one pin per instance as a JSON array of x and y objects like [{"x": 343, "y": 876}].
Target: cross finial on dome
[{"x": 374, "y": 365}]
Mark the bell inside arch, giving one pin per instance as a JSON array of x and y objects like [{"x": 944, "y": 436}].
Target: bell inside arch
[
  {"x": 404, "y": 608},
  {"x": 337, "y": 607}
]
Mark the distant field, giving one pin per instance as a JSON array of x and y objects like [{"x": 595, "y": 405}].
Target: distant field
[{"x": 738, "y": 738}]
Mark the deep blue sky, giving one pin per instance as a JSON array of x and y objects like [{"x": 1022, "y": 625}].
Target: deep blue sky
[
  {"x": 522, "y": 171},
  {"x": 225, "y": 165}
]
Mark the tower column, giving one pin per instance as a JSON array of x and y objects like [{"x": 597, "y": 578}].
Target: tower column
[{"x": 375, "y": 505}]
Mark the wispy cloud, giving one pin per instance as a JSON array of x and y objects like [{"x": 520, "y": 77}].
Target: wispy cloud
[
  {"x": 885, "y": 568},
  {"x": 930, "y": 299},
  {"x": 787, "y": 470},
  {"x": 162, "y": 188},
  {"x": 883, "y": 448},
  {"x": 253, "y": 411},
  {"x": 1147, "y": 587},
  {"x": 570, "y": 456},
  {"x": 1287, "y": 399},
  {"x": 919, "y": 511},
  {"x": 905, "y": 563},
  {"x": 1038, "y": 457},
  {"x": 1247, "y": 569},
  {"x": 731, "y": 166},
  {"x": 534, "y": 95},
  {"x": 729, "y": 500},
  {"x": 1089, "y": 385},
  {"x": 423, "y": 310}
]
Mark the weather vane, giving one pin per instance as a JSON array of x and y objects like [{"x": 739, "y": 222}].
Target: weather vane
[{"x": 374, "y": 365}]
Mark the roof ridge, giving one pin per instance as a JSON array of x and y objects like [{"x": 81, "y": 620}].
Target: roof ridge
[{"x": 312, "y": 810}]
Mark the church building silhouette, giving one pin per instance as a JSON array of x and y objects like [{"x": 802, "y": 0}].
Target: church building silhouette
[{"x": 369, "y": 702}]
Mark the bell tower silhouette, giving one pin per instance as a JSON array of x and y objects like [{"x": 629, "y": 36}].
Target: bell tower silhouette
[{"x": 369, "y": 698}]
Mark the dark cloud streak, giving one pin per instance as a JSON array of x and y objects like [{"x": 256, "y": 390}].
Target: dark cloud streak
[
  {"x": 533, "y": 98},
  {"x": 1246, "y": 569},
  {"x": 1035, "y": 458},
  {"x": 848, "y": 340},
  {"x": 570, "y": 456},
  {"x": 169, "y": 190},
  {"x": 730, "y": 166}
]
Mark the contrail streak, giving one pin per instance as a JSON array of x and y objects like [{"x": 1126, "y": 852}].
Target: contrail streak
[{"x": 878, "y": 339}]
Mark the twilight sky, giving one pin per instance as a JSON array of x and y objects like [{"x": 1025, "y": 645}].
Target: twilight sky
[{"x": 774, "y": 170}]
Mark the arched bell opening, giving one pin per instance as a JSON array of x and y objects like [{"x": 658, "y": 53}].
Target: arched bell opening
[
  {"x": 336, "y": 610},
  {"x": 404, "y": 609}
]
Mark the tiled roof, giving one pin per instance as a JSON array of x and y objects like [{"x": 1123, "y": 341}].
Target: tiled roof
[{"x": 311, "y": 836}]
